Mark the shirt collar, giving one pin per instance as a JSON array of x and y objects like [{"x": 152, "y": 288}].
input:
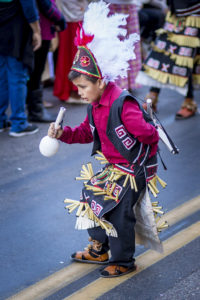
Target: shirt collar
[{"x": 105, "y": 98}]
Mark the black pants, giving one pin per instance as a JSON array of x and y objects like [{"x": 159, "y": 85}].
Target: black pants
[
  {"x": 40, "y": 59},
  {"x": 123, "y": 219},
  {"x": 150, "y": 19}
]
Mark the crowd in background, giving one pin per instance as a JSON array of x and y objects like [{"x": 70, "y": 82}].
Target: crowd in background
[{"x": 167, "y": 55}]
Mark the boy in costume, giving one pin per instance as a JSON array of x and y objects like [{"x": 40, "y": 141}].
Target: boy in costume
[{"x": 123, "y": 136}]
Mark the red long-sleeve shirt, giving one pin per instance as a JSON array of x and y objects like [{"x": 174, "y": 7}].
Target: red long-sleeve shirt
[{"x": 131, "y": 117}]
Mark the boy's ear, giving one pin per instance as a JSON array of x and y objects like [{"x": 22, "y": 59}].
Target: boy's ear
[{"x": 102, "y": 84}]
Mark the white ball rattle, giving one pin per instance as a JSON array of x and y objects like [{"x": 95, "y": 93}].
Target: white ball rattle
[{"x": 49, "y": 146}]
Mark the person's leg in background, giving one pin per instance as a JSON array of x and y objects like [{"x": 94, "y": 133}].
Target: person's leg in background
[
  {"x": 150, "y": 19},
  {"x": 189, "y": 106},
  {"x": 17, "y": 86},
  {"x": 4, "y": 97},
  {"x": 36, "y": 110},
  {"x": 153, "y": 95}
]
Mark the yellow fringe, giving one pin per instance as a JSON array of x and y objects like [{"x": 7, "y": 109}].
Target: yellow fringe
[
  {"x": 152, "y": 184},
  {"x": 193, "y": 21},
  {"x": 166, "y": 77},
  {"x": 93, "y": 188},
  {"x": 162, "y": 226},
  {"x": 183, "y": 40},
  {"x": 162, "y": 182},
  {"x": 188, "y": 21},
  {"x": 179, "y": 60},
  {"x": 196, "y": 79},
  {"x": 160, "y": 31},
  {"x": 101, "y": 158},
  {"x": 86, "y": 172},
  {"x": 84, "y": 209},
  {"x": 197, "y": 59},
  {"x": 183, "y": 61},
  {"x": 171, "y": 18},
  {"x": 157, "y": 210},
  {"x": 131, "y": 180}
]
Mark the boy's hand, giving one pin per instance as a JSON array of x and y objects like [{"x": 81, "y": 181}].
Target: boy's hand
[{"x": 54, "y": 133}]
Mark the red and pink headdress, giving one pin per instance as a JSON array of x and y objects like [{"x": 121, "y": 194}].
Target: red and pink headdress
[{"x": 84, "y": 61}]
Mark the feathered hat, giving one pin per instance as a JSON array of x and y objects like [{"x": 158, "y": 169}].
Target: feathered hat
[{"x": 101, "y": 53}]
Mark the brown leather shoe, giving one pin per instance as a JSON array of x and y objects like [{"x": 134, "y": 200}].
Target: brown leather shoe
[
  {"x": 116, "y": 271},
  {"x": 188, "y": 109},
  {"x": 93, "y": 254},
  {"x": 90, "y": 257}
]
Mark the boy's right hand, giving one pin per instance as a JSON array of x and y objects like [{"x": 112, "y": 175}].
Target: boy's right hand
[{"x": 54, "y": 133}]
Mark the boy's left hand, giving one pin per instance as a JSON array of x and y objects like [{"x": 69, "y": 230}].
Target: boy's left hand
[{"x": 54, "y": 133}]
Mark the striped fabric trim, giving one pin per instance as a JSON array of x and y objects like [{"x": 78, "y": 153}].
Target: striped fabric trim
[{"x": 188, "y": 11}]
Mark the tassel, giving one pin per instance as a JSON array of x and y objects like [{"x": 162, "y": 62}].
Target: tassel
[
  {"x": 162, "y": 182},
  {"x": 157, "y": 210},
  {"x": 86, "y": 173},
  {"x": 112, "y": 188},
  {"x": 101, "y": 157},
  {"x": 126, "y": 180},
  {"x": 162, "y": 226},
  {"x": 151, "y": 189},
  {"x": 183, "y": 40},
  {"x": 134, "y": 183},
  {"x": 93, "y": 188},
  {"x": 73, "y": 208},
  {"x": 99, "y": 193},
  {"x": 110, "y": 198},
  {"x": 90, "y": 169},
  {"x": 165, "y": 77},
  {"x": 81, "y": 206},
  {"x": 86, "y": 210},
  {"x": 153, "y": 184}
]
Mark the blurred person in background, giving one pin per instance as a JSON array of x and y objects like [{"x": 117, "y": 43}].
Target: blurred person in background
[
  {"x": 129, "y": 7},
  {"x": 51, "y": 20},
  {"x": 20, "y": 36},
  {"x": 151, "y": 17},
  {"x": 73, "y": 11},
  {"x": 174, "y": 60}
]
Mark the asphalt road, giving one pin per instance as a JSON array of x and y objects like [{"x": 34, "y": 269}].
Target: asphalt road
[{"x": 37, "y": 235}]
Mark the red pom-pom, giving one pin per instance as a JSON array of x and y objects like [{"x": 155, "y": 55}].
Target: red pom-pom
[{"x": 81, "y": 38}]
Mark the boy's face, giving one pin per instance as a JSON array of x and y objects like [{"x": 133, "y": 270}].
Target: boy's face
[{"x": 88, "y": 90}]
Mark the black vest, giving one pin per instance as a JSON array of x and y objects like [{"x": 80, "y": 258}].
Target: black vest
[{"x": 127, "y": 145}]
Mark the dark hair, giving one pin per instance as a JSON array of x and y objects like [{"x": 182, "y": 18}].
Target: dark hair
[{"x": 74, "y": 74}]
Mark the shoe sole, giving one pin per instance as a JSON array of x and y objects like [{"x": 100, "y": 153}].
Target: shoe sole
[
  {"x": 90, "y": 261},
  {"x": 111, "y": 276},
  {"x": 177, "y": 117},
  {"x": 19, "y": 134}
]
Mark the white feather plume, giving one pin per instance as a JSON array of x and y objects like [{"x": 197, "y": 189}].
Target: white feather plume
[{"x": 111, "y": 53}]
